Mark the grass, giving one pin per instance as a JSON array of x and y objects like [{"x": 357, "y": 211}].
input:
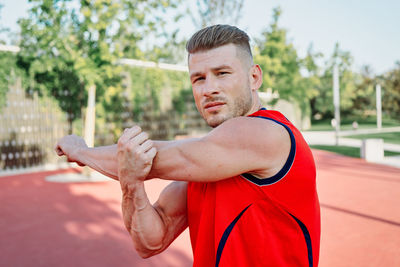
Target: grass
[
  {"x": 343, "y": 150},
  {"x": 392, "y": 138},
  {"x": 391, "y": 153},
  {"x": 343, "y": 127},
  {"x": 346, "y": 124},
  {"x": 348, "y": 151}
]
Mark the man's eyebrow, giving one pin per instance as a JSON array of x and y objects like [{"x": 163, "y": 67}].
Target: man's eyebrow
[
  {"x": 221, "y": 67},
  {"x": 195, "y": 74},
  {"x": 199, "y": 73}
]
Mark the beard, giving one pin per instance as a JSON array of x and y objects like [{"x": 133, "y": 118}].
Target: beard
[{"x": 237, "y": 107}]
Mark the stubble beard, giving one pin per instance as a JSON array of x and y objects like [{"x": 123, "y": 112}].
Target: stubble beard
[{"x": 238, "y": 107}]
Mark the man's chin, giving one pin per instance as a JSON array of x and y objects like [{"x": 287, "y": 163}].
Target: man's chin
[{"x": 214, "y": 121}]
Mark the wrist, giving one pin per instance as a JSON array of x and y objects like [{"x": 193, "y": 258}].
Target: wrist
[
  {"x": 130, "y": 188},
  {"x": 79, "y": 154}
]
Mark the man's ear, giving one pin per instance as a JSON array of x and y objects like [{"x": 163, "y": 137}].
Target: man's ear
[{"x": 256, "y": 78}]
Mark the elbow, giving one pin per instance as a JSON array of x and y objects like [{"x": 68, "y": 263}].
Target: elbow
[
  {"x": 146, "y": 250},
  {"x": 146, "y": 253}
]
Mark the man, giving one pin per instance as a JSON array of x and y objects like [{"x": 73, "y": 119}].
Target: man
[{"x": 246, "y": 190}]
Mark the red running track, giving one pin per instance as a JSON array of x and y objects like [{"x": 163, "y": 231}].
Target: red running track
[{"x": 79, "y": 224}]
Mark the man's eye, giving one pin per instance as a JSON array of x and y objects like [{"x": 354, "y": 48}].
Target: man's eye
[
  {"x": 198, "y": 79},
  {"x": 222, "y": 73}
]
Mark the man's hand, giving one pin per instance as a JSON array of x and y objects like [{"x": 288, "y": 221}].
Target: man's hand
[
  {"x": 70, "y": 146},
  {"x": 135, "y": 156}
]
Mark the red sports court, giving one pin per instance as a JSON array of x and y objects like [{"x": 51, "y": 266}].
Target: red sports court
[{"x": 79, "y": 224}]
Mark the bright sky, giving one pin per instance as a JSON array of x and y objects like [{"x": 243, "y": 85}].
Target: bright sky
[{"x": 369, "y": 29}]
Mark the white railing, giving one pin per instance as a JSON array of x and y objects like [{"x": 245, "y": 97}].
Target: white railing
[
  {"x": 9, "y": 48},
  {"x": 123, "y": 61},
  {"x": 151, "y": 64}
]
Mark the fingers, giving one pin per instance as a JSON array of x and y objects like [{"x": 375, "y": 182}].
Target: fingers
[
  {"x": 69, "y": 146},
  {"x": 152, "y": 153},
  {"x": 80, "y": 164},
  {"x": 146, "y": 146},
  {"x": 147, "y": 151},
  {"x": 141, "y": 150},
  {"x": 128, "y": 134},
  {"x": 140, "y": 138},
  {"x": 132, "y": 138},
  {"x": 58, "y": 150}
]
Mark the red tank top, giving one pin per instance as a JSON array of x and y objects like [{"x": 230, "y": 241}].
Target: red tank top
[{"x": 245, "y": 221}]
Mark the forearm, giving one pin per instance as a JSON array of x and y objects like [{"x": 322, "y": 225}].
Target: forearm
[
  {"x": 142, "y": 220},
  {"x": 104, "y": 158}
]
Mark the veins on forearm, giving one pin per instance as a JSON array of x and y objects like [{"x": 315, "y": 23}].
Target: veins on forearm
[
  {"x": 127, "y": 211},
  {"x": 129, "y": 203},
  {"x": 141, "y": 219},
  {"x": 101, "y": 159}
]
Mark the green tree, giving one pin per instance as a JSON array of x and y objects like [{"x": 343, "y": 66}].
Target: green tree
[
  {"x": 7, "y": 60},
  {"x": 67, "y": 49},
  {"x": 364, "y": 102},
  {"x": 311, "y": 77},
  {"x": 8, "y": 70},
  {"x": 322, "y": 103},
  {"x": 391, "y": 92},
  {"x": 280, "y": 63}
]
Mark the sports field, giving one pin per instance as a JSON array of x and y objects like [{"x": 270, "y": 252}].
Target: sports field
[{"x": 79, "y": 224}]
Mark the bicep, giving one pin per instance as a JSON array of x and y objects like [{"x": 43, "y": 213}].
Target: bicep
[{"x": 237, "y": 146}]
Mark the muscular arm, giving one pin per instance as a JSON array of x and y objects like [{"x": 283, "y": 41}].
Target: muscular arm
[
  {"x": 153, "y": 228},
  {"x": 237, "y": 146},
  {"x": 102, "y": 159}
]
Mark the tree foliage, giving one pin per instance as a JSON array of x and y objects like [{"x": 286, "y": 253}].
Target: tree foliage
[
  {"x": 391, "y": 92},
  {"x": 281, "y": 65},
  {"x": 7, "y": 63},
  {"x": 68, "y": 46},
  {"x": 150, "y": 91},
  {"x": 8, "y": 70},
  {"x": 322, "y": 102},
  {"x": 65, "y": 49},
  {"x": 5, "y": 71},
  {"x": 364, "y": 103}
]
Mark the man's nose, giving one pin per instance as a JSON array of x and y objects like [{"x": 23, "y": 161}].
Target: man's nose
[{"x": 211, "y": 87}]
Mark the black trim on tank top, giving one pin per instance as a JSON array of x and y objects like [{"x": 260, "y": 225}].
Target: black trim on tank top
[
  {"x": 307, "y": 238},
  {"x": 285, "y": 169},
  {"x": 225, "y": 236}
]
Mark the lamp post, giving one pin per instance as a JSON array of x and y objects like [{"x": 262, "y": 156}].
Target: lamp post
[
  {"x": 336, "y": 102},
  {"x": 90, "y": 123},
  {"x": 378, "y": 106}
]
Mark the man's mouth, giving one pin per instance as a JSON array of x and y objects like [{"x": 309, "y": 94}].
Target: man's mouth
[{"x": 213, "y": 106}]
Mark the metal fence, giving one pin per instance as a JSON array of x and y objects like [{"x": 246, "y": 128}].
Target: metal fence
[
  {"x": 29, "y": 128},
  {"x": 31, "y": 125}
]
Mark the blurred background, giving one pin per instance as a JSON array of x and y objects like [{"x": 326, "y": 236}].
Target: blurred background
[
  {"x": 95, "y": 67},
  {"x": 132, "y": 56}
]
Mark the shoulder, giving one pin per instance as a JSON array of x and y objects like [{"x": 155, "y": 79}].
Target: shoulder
[
  {"x": 262, "y": 144},
  {"x": 250, "y": 130}
]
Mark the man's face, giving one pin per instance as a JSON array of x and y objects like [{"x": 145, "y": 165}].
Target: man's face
[{"x": 220, "y": 83}]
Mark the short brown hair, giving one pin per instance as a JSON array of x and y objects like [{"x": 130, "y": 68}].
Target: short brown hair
[{"x": 216, "y": 36}]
